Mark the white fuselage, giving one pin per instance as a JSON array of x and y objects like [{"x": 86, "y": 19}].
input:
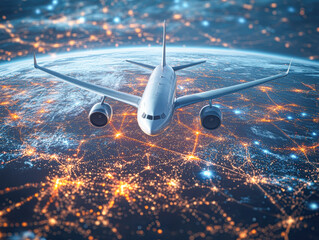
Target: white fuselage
[{"x": 156, "y": 107}]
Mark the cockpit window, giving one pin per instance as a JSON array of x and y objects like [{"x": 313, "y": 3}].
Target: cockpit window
[{"x": 151, "y": 117}]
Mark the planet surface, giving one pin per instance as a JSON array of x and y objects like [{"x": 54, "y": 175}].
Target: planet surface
[{"x": 255, "y": 177}]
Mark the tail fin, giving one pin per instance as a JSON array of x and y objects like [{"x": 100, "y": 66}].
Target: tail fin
[{"x": 164, "y": 45}]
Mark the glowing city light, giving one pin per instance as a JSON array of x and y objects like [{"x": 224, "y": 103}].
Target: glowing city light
[
  {"x": 191, "y": 157},
  {"x": 291, "y": 9},
  {"x": 185, "y": 4},
  {"x": 241, "y": 20},
  {"x": 207, "y": 173},
  {"x": 117, "y": 135},
  {"x": 290, "y": 220},
  {"x": 81, "y": 20},
  {"x": 173, "y": 183},
  {"x": 205, "y": 23},
  {"x": 116, "y": 20},
  {"x": 313, "y": 206},
  {"x": 49, "y": 7}
]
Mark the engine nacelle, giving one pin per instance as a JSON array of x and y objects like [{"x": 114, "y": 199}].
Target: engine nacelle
[
  {"x": 210, "y": 117},
  {"x": 100, "y": 114}
]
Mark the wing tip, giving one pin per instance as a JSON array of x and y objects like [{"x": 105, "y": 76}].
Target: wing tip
[
  {"x": 35, "y": 61},
  {"x": 289, "y": 67}
]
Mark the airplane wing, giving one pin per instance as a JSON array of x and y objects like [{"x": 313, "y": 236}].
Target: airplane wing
[
  {"x": 119, "y": 96},
  {"x": 198, "y": 97}
]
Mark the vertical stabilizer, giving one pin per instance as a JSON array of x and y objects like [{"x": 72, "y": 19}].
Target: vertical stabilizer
[{"x": 164, "y": 45}]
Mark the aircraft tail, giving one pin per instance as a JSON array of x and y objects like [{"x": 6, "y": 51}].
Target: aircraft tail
[{"x": 164, "y": 45}]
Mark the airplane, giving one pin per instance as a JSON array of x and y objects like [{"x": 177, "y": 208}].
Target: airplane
[{"x": 156, "y": 107}]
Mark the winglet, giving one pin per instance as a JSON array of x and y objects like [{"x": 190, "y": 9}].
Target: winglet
[
  {"x": 35, "y": 61},
  {"x": 289, "y": 67}
]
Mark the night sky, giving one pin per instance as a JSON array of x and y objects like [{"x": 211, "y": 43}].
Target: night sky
[{"x": 282, "y": 27}]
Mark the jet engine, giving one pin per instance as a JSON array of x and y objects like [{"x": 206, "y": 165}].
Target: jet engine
[
  {"x": 210, "y": 117},
  {"x": 100, "y": 114}
]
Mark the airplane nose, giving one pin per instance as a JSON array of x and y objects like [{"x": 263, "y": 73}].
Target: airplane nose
[
  {"x": 150, "y": 128},
  {"x": 147, "y": 130},
  {"x": 154, "y": 132}
]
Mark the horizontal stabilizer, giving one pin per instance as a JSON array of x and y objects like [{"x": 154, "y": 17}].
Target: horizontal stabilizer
[
  {"x": 142, "y": 65},
  {"x": 187, "y": 65}
]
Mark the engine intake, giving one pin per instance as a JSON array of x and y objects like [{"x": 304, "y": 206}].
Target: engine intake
[
  {"x": 100, "y": 114},
  {"x": 211, "y": 117}
]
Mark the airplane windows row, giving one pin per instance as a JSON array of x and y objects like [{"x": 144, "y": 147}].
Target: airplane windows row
[{"x": 150, "y": 117}]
